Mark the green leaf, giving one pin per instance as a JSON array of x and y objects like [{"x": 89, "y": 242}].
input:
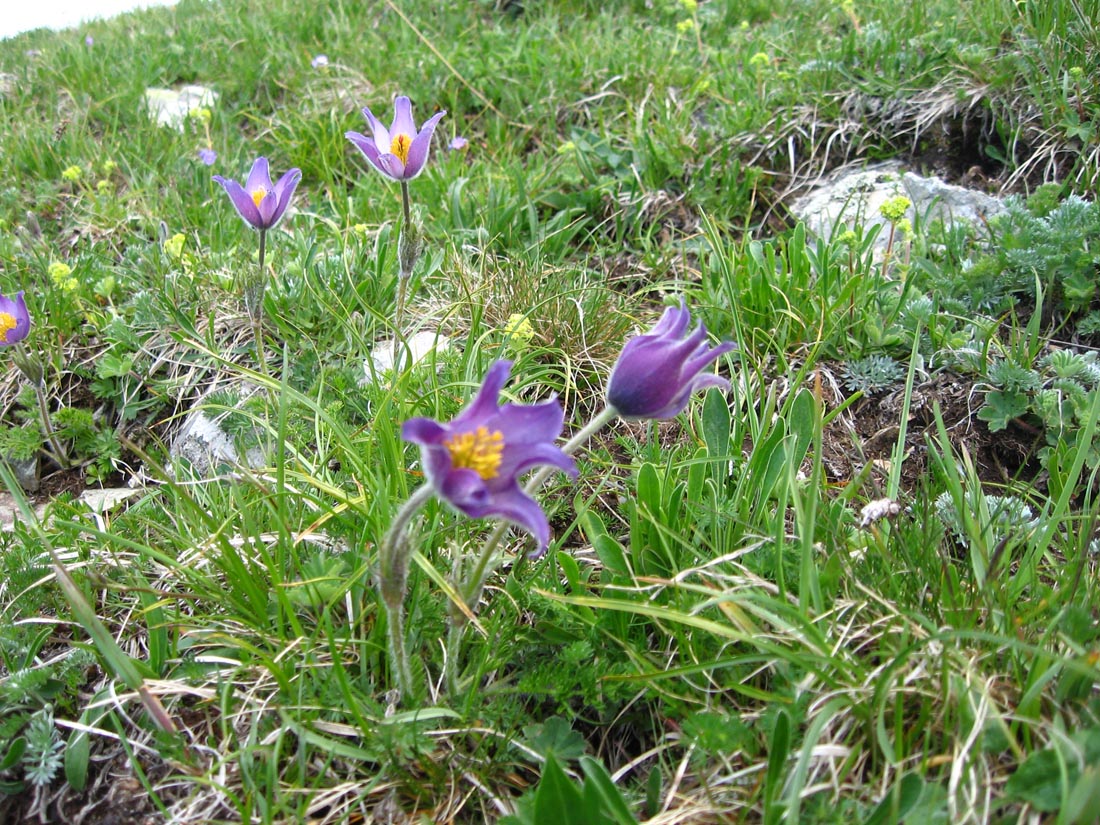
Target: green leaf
[
  {"x": 77, "y": 756},
  {"x": 716, "y": 425},
  {"x": 15, "y": 753},
  {"x": 554, "y": 738},
  {"x": 1038, "y": 782},
  {"x": 602, "y": 784},
  {"x": 778, "y": 750},
  {"x": 1001, "y": 408},
  {"x": 899, "y": 802},
  {"x": 557, "y": 800}
]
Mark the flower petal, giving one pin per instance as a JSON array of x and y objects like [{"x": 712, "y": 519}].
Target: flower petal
[
  {"x": 403, "y": 123},
  {"x": 381, "y": 135},
  {"x": 242, "y": 201},
  {"x": 260, "y": 176},
  {"x": 418, "y": 151},
  {"x": 485, "y": 402},
  {"x": 366, "y": 145}
]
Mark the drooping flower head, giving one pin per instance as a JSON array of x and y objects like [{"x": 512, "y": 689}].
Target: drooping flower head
[
  {"x": 657, "y": 372},
  {"x": 259, "y": 202},
  {"x": 15, "y": 321},
  {"x": 474, "y": 461},
  {"x": 401, "y": 151}
]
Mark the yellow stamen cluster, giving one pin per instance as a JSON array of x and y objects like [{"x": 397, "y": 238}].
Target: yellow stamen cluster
[
  {"x": 8, "y": 323},
  {"x": 479, "y": 451},
  {"x": 400, "y": 146},
  {"x": 258, "y": 194}
]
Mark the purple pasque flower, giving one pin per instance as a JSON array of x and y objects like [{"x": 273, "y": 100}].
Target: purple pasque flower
[
  {"x": 474, "y": 461},
  {"x": 259, "y": 202},
  {"x": 319, "y": 62},
  {"x": 401, "y": 151},
  {"x": 15, "y": 321},
  {"x": 657, "y": 372},
  {"x": 207, "y": 156}
]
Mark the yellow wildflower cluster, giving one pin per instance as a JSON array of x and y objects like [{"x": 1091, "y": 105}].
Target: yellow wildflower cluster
[
  {"x": 519, "y": 331},
  {"x": 895, "y": 208},
  {"x": 61, "y": 275},
  {"x": 685, "y": 25},
  {"x": 759, "y": 61},
  {"x": 72, "y": 173},
  {"x": 173, "y": 247}
]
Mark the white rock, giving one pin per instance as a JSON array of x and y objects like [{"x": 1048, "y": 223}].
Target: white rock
[
  {"x": 383, "y": 358},
  {"x": 852, "y": 198},
  {"x": 170, "y": 107}
]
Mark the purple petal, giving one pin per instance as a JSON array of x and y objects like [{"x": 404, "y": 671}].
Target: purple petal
[
  {"x": 418, "y": 151},
  {"x": 366, "y": 145},
  {"x": 242, "y": 201},
  {"x": 382, "y": 140},
  {"x": 284, "y": 191},
  {"x": 516, "y": 462},
  {"x": 402, "y": 118},
  {"x": 424, "y": 431},
  {"x": 391, "y": 166},
  {"x": 260, "y": 176},
  {"x": 465, "y": 490},
  {"x": 16, "y": 308},
  {"x": 485, "y": 403},
  {"x": 516, "y": 506}
]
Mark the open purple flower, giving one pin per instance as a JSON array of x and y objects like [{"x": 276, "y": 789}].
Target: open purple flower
[
  {"x": 208, "y": 156},
  {"x": 401, "y": 151},
  {"x": 15, "y": 321},
  {"x": 259, "y": 202},
  {"x": 657, "y": 372},
  {"x": 473, "y": 462}
]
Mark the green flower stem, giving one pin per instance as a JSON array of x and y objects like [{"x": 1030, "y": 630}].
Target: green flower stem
[
  {"x": 393, "y": 573},
  {"x": 254, "y": 303},
  {"x": 405, "y": 260},
  {"x": 31, "y": 368},
  {"x": 476, "y": 583}
]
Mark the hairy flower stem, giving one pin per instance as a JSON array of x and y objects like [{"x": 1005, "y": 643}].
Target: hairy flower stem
[
  {"x": 470, "y": 590},
  {"x": 31, "y": 367},
  {"x": 408, "y": 253},
  {"x": 254, "y": 303},
  {"x": 393, "y": 574}
]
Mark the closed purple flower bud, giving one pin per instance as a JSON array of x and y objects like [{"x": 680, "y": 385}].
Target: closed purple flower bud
[
  {"x": 15, "y": 321},
  {"x": 401, "y": 151},
  {"x": 474, "y": 461},
  {"x": 259, "y": 202},
  {"x": 657, "y": 372}
]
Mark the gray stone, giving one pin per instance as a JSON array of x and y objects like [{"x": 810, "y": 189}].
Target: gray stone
[
  {"x": 204, "y": 445},
  {"x": 420, "y": 346},
  {"x": 171, "y": 107},
  {"x": 853, "y": 197}
]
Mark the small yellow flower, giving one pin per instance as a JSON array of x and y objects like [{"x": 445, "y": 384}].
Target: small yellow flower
[
  {"x": 360, "y": 229},
  {"x": 109, "y": 166},
  {"x": 904, "y": 227},
  {"x": 519, "y": 331},
  {"x": 200, "y": 114},
  {"x": 102, "y": 186},
  {"x": 685, "y": 25},
  {"x": 1076, "y": 72},
  {"x": 72, "y": 174},
  {"x": 689, "y": 5},
  {"x": 567, "y": 147},
  {"x": 744, "y": 25},
  {"x": 760, "y": 60},
  {"x": 60, "y": 273},
  {"x": 173, "y": 247},
  {"x": 848, "y": 238},
  {"x": 895, "y": 208}
]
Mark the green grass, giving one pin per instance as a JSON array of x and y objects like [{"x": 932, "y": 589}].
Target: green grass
[{"x": 716, "y": 634}]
